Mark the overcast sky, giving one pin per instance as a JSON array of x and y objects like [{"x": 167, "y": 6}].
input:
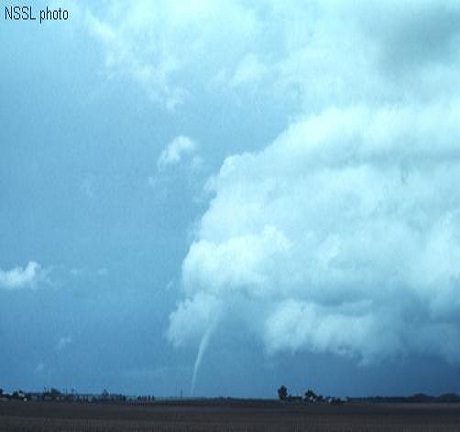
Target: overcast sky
[{"x": 220, "y": 197}]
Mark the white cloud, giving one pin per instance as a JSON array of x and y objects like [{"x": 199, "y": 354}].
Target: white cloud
[
  {"x": 63, "y": 343},
  {"x": 77, "y": 272},
  {"x": 342, "y": 235},
  {"x": 303, "y": 55},
  {"x": 249, "y": 71},
  {"x": 176, "y": 150},
  {"x": 344, "y": 232},
  {"x": 192, "y": 319},
  {"x": 19, "y": 277},
  {"x": 169, "y": 47},
  {"x": 87, "y": 272},
  {"x": 102, "y": 272}
]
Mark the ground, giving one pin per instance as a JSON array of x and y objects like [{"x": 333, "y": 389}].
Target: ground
[{"x": 226, "y": 415}]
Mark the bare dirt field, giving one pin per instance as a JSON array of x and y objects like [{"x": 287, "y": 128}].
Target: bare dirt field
[{"x": 226, "y": 415}]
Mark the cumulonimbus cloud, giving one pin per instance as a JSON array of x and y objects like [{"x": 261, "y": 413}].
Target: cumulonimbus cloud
[{"x": 341, "y": 236}]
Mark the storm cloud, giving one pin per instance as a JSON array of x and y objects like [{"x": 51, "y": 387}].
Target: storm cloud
[{"x": 342, "y": 235}]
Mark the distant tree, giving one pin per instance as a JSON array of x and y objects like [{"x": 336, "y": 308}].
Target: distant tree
[
  {"x": 1, "y": 392},
  {"x": 311, "y": 396},
  {"x": 54, "y": 394},
  {"x": 449, "y": 397},
  {"x": 19, "y": 395},
  {"x": 282, "y": 392}
]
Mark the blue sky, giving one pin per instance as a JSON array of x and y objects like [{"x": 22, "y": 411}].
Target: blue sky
[{"x": 218, "y": 197}]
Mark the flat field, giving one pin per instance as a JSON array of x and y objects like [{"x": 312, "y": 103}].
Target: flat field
[{"x": 226, "y": 415}]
